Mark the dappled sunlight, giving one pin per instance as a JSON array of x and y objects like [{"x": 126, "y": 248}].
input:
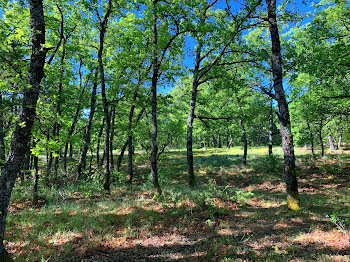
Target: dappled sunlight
[
  {"x": 235, "y": 212},
  {"x": 335, "y": 239}
]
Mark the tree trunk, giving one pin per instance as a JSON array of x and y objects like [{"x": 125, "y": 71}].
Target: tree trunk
[
  {"x": 112, "y": 137},
  {"x": 121, "y": 155},
  {"x": 270, "y": 128},
  {"x": 155, "y": 76},
  {"x": 331, "y": 144},
  {"x": 320, "y": 138},
  {"x": 219, "y": 141},
  {"x": 71, "y": 151},
  {"x": 106, "y": 167},
  {"x": 284, "y": 117},
  {"x": 340, "y": 139},
  {"x": 2, "y": 135},
  {"x": 98, "y": 143},
  {"x": 25, "y": 168},
  {"x": 122, "y": 150},
  {"x": 82, "y": 160},
  {"x": 311, "y": 136},
  {"x": 244, "y": 132},
  {"x": 22, "y": 132},
  {"x": 130, "y": 137},
  {"x": 330, "y": 140},
  {"x": 57, "y": 125},
  {"x": 74, "y": 122},
  {"x": 245, "y": 142},
  {"x": 191, "y": 116},
  {"x": 36, "y": 178}
]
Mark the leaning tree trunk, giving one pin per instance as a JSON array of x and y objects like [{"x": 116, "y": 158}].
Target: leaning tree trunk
[
  {"x": 22, "y": 133},
  {"x": 121, "y": 155},
  {"x": 82, "y": 160},
  {"x": 283, "y": 115}
]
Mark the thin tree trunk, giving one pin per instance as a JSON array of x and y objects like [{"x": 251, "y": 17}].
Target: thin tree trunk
[
  {"x": 244, "y": 132},
  {"x": 121, "y": 155},
  {"x": 59, "y": 103},
  {"x": 98, "y": 143},
  {"x": 311, "y": 136},
  {"x": 155, "y": 75},
  {"x": 22, "y": 133},
  {"x": 284, "y": 117},
  {"x": 320, "y": 138},
  {"x": 36, "y": 178},
  {"x": 340, "y": 139},
  {"x": 82, "y": 160},
  {"x": 91, "y": 158},
  {"x": 190, "y": 119},
  {"x": 122, "y": 150},
  {"x": 130, "y": 137},
  {"x": 244, "y": 140},
  {"x": 74, "y": 122},
  {"x": 219, "y": 141},
  {"x": 106, "y": 167},
  {"x": 270, "y": 128},
  {"x": 112, "y": 137},
  {"x": 71, "y": 151}
]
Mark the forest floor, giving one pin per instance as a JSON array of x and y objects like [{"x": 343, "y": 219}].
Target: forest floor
[{"x": 236, "y": 213}]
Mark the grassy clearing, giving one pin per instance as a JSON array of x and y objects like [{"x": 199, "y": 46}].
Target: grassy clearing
[{"x": 236, "y": 213}]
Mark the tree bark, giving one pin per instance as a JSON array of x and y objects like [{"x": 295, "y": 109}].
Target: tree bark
[
  {"x": 112, "y": 137},
  {"x": 270, "y": 128},
  {"x": 190, "y": 118},
  {"x": 22, "y": 132},
  {"x": 98, "y": 143},
  {"x": 106, "y": 167},
  {"x": 283, "y": 115},
  {"x": 82, "y": 160},
  {"x": 2, "y": 135},
  {"x": 155, "y": 76}
]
